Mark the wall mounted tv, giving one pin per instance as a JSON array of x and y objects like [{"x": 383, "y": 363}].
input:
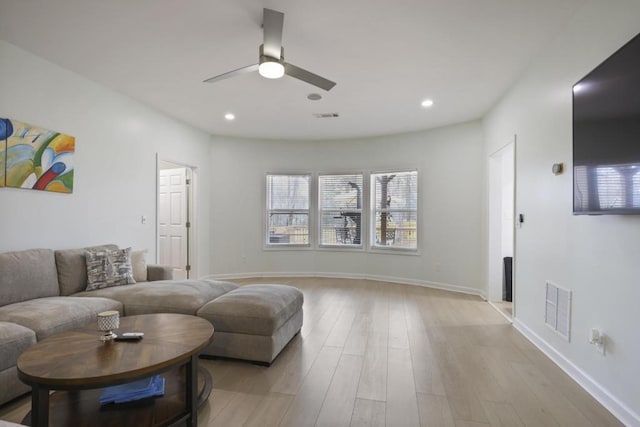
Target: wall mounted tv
[{"x": 606, "y": 136}]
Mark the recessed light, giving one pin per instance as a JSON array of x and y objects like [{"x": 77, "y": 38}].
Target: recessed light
[
  {"x": 427, "y": 103},
  {"x": 314, "y": 97},
  {"x": 229, "y": 116}
]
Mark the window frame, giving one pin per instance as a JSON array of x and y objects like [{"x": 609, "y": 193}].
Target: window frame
[
  {"x": 267, "y": 212},
  {"x": 373, "y": 247},
  {"x": 363, "y": 214}
]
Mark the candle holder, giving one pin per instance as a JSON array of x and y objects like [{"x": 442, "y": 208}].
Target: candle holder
[{"x": 107, "y": 322}]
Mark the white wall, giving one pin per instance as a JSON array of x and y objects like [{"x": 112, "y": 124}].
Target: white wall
[
  {"x": 115, "y": 162},
  {"x": 597, "y": 257},
  {"x": 451, "y": 170}
]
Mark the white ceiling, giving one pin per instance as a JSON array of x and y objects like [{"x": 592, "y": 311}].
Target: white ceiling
[{"x": 386, "y": 57}]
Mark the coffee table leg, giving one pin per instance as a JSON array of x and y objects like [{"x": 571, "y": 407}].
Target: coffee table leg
[
  {"x": 39, "y": 407},
  {"x": 191, "y": 372}
]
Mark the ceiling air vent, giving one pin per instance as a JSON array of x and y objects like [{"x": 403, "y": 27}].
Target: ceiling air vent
[{"x": 326, "y": 115}]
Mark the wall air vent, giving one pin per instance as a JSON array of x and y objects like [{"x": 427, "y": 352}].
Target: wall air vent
[
  {"x": 326, "y": 115},
  {"x": 557, "y": 312}
]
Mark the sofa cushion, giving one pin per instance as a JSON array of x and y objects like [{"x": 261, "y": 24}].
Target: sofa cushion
[
  {"x": 52, "y": 315},
  {"x": 11, "y": 386},
  {"x": 157, "y": 272},
  {"x": 253, "y": 309},
  {"x": 72, "y": 268},
  {"x": 139, "y": 265},
  {"x": 107, "y": 268},
  {"x": 166, "y": 296},
  {"x": 26, "y": 275},
  {"x": 14, "y": 339}
]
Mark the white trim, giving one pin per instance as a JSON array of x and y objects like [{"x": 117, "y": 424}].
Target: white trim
[
  {"x": 394, "y": 250},
  {"x": 390, "y": 279},
  {"x": 510, "y": 319},
  {"x": 621, "y": 411}
]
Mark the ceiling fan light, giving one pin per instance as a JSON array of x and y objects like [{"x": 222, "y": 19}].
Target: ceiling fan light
[{"x": 271, "y": 69}]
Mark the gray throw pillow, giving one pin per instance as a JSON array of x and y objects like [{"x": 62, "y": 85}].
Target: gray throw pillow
[{"x": 106, "y": 268}]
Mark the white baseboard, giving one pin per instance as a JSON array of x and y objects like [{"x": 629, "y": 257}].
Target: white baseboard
[
  {"x": 401, "y": 280},
  {"x": 621, "y": 411}
]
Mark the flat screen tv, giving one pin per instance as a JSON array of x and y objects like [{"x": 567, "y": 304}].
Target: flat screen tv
[{"x": 606, "y": 136}]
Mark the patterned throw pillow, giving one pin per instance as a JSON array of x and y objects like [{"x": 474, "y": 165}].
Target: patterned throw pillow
[{"x": 106, "y": 268}]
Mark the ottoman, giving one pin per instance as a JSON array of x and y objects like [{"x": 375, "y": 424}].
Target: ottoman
[{"x": 253, "y": 322}]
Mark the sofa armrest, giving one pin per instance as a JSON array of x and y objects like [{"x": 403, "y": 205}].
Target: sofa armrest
[{"x": 159, "y": 272}]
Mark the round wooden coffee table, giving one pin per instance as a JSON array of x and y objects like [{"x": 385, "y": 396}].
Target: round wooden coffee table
[{"x": 79, "y": 364}]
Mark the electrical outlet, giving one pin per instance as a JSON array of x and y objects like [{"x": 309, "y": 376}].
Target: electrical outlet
[{"x": 143, "y": 219}]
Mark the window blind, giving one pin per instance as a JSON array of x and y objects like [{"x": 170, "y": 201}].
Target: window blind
[
  {"x": 288, "y": 209},
  {"x": 395, "y": 209},
  {"x": 340, "y": 206}
]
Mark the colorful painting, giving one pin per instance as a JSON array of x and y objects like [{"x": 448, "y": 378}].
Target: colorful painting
[{"x": 36, "y": 158}]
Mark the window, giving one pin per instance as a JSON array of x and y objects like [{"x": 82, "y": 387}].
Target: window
[
  {"x": 394, "y": 206},
  {"x": 288, "y": 210},
  {"x": 341, "y": 216},
  {"x": 340, "y": 205}
]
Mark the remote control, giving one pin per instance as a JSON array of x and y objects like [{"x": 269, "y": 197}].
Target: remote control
[
  {"x": 133, "y": 334},
  {"x": 130, "y": 336}
]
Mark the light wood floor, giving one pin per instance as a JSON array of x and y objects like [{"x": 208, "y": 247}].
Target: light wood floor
[
  {"x": 381, "y": 354},
  {"x": 505, "y": 307}
]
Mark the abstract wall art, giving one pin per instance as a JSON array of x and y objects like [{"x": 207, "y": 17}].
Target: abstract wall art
[{"x": 35, "y": 158}]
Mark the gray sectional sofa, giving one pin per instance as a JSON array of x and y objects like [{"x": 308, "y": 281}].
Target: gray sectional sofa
[{"x": 42, "y": 292}]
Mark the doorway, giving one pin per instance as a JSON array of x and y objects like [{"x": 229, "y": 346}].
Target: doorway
[
  {"x": 501, "y": 229},
  {"x": 175, "y": 218}
]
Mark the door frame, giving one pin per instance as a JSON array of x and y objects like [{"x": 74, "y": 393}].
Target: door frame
[
  {"x": 492, "y": 160},
  {"x": 192, "y": 205}
]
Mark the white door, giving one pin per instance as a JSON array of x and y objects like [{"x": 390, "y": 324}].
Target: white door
[
  {"x": 501, "y": 215},
  {"x": 173, "y": 219}
]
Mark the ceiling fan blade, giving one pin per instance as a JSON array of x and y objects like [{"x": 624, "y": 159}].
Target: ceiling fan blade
[
  {"x": 308, "y": 76},
  {"x": 272, "y": 30},
  {"x": 239, "y": 71}
]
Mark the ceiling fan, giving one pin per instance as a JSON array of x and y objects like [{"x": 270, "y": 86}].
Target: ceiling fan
[{"x": 271, "y": 64}]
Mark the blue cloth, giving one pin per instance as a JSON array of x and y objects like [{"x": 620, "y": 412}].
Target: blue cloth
[{"x": 141, "y": 389}]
